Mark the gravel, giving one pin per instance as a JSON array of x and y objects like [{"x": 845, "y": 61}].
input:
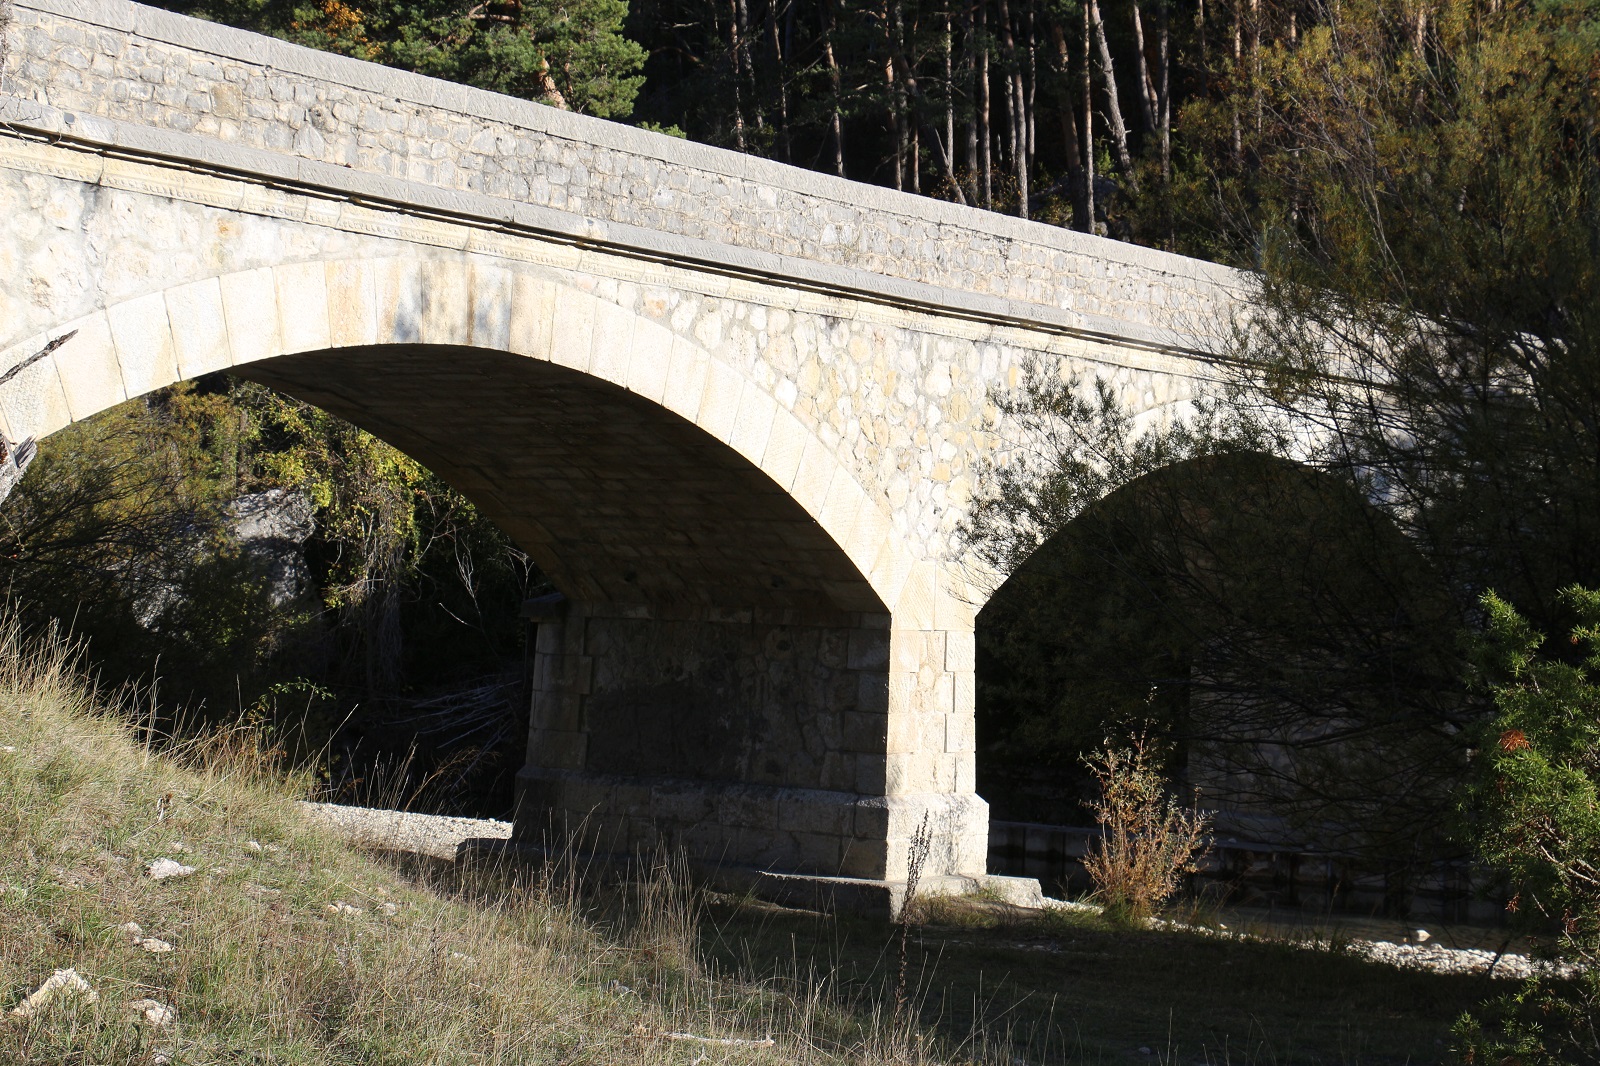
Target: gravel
[
  {"x": 1441, "y": 959},
  {"x": 425, "y": 834}
]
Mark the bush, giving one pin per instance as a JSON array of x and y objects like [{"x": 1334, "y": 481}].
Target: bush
[
  {"x": 1148, "y": 841},
  {"x": 1533, "y": 809}
]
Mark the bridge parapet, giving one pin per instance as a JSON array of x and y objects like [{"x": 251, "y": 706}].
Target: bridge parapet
[{"x": 141, "y": 71}]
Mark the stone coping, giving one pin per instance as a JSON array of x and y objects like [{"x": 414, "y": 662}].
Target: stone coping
[
  {"x": 225, "y": 41},
  {"x": 194, "y": 152}
]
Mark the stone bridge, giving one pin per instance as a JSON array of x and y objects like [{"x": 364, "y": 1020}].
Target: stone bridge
[{"x": 734, "y": 409}]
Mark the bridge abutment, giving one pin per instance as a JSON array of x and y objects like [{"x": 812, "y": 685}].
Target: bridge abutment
[{"x": 758, "y": 741}]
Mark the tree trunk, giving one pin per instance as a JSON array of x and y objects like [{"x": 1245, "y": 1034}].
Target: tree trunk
[
  {"x": 968, "y": 40},
  {"x": 1148, "y": 105},
  {"x": 1088, "y": 129},
  {"x": 1119, "y": 129},
  {"x": 950, "y": 94},
  {"x": 985, "y": 123},
  {"x": 904, "y": 96},
  {"x": 918, "y": 115},
  {"x": 1255, "y": 63},
  {"x": 897, "y": 135},
  {"x": 736, "y": 47},
  {"x": 836, "y": 118},
  {"x": 1069, "y": 134},
  {"x": 1032, "y": 79},
  {"x": 1238, "y": 70},
  {"x": 782, "y": 79},
  {"x": 1017, "y": 126},
  {"x": 1164, "y": 91}
]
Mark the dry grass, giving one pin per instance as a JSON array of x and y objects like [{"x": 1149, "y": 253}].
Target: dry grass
[{"x": 297, "y": 948}]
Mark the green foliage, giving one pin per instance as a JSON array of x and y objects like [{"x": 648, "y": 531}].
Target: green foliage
[
  {"x": 1534, "y": 812},
  {"x": 1537, "y": 784},
  {"x": 124, "y": 531},
  {"x": 1430, "y": 239},
  {"x": 121, "y": 530},
  {"x": 569, "y": 53}
]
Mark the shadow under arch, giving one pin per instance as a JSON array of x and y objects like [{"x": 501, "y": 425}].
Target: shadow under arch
[
  {"x": 1262, "y": 616},
  {"x": 618, "y": 499},
  {"x": 720, "y": 676}
]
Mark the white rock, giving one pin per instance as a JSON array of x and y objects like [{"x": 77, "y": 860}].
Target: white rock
[
  {"x": 152, "y": 945},
  {"x": 156, "y": 1013},
  {"x": 389, "y": 909},
  {"x": 344, "y": 910},
  {"x": 62, "y": 984},
  {"x": 162, "y": 869},
  {"x": 252, "y": 845},
  {"x": 131, "y": 928},
  {"x": 8, "y": 749},
  {"x": 1421, "y": 936}
]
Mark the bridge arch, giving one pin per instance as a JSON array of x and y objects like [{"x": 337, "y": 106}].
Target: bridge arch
[
  {"x": 343, "y": 333},
  {"x": 723, "y": 676},
  {"x": 1264, "y": 616}
]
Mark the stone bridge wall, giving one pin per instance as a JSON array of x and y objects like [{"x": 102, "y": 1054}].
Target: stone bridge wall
[
  {"x": 159, "y": 71},
  {"x": 737, "y": 411}
]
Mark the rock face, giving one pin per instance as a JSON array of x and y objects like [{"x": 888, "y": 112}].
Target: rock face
[{"x": 272, "y": 528}]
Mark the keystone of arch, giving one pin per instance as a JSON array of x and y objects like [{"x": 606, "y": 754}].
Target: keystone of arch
[{"x": 230, "y": 320}]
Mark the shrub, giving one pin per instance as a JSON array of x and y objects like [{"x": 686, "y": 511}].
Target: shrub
[
  {"x": 1533, "y": 809},
  {"x": 1148, "y": 841}
]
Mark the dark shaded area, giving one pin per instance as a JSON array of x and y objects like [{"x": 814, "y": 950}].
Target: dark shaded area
[
  {"x": 616, "y": 498},
  {"x": 1277, "y": 631},
  {"x": 1070, "y": 990}
]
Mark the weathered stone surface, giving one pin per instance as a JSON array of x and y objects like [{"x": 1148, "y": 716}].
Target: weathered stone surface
[{"x": 736, "y": 411}]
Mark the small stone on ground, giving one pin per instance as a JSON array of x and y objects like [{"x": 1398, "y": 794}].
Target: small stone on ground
[
  {"x": 162, "y": 869},
  {"x": 63, "y": 984}
]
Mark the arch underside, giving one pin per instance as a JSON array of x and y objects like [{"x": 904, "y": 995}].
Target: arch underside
[
  {"x": 619, "y": 500},
  {"x": 704, "y": 667}
]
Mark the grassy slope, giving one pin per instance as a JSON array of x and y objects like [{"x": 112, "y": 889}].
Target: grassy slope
[
  {"x": 491, "y": 968},
  {"x": 496, "y": 971}
]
